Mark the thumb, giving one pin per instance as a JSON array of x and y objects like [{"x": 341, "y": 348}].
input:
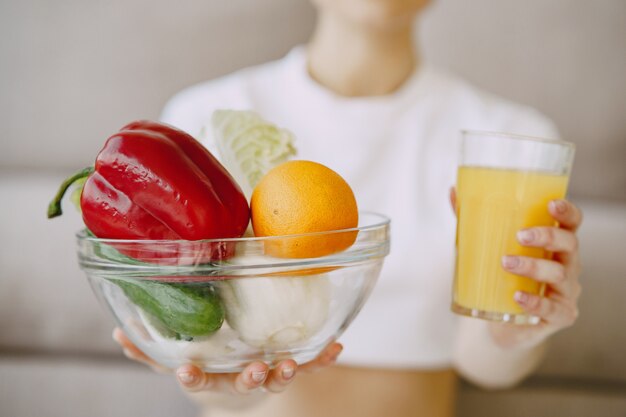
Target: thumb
[{"x": 453, "y": 199}]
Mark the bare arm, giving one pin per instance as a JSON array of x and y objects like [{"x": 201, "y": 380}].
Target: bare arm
[{"x": 482, "y": 361}]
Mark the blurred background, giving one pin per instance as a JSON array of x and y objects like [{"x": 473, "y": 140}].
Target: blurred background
[{"x": 74, "y": 71}]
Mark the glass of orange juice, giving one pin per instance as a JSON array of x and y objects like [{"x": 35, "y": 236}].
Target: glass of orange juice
[{"x": 504, "y": 185}]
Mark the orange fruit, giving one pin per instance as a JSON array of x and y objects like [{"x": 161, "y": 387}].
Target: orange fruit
[{"x": 304, "y": 197}]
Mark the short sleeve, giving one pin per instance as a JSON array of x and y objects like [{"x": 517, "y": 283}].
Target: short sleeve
[
  {"x": 190, "y": 110},
  {"x": 184, "y": 111},
  {"x": 530, "y": 122}
]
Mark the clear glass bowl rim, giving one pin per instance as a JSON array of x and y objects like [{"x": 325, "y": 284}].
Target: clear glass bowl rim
[
  {"x": 368, "y": 246},
  {"x": 515, "y": 136},
  {"x": 382, "y": 222}
]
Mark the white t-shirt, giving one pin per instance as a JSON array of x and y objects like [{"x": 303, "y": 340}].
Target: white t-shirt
[{"x": 399, "y": 154}]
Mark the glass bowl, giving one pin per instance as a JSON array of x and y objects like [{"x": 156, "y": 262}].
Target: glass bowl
[{"x": 221, "y": 304}]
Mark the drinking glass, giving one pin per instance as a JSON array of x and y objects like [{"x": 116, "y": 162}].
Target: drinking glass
[{"x": 504, "y": 184}]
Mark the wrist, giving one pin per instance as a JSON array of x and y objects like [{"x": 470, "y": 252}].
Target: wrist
[{"x": 512, "y": 337}]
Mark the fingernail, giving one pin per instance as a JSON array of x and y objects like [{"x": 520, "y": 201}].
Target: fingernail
[
  {"x": 338, "y": 351},
  {"x": 525, "y": 236},
  {"x": 521, "y": 297},
  {"x": 558, "y": 205},
  {"x": 510, "y": 262},
  {"x": 259, "y": 376},
  {"x": 188, "y": 378},
  {"x": 288, "y": 373}
]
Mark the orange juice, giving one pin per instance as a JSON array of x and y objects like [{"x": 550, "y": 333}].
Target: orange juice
[{"x": 492, "y": 206}]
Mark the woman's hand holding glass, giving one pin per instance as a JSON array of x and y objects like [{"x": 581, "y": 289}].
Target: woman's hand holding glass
[{"x": 558, "y": 308}]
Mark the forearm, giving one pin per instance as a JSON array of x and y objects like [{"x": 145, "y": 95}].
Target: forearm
[{"x": 492, "y": 364}]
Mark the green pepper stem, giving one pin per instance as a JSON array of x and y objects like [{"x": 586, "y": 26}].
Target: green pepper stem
[{"x": 54, "y": 208}]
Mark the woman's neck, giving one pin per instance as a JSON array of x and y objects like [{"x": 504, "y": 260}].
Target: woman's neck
[{"x": 355, "y": 61}]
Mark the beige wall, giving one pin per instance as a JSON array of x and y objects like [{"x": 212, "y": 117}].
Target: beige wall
[
  {"x": 565, "y": 57},
  {"x": 74, "y": 70}
]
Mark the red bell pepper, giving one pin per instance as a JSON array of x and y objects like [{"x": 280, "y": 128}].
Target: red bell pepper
[{"x": 152, "y": 181}]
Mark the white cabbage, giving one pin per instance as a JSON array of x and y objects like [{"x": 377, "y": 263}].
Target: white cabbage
[
  {"x": 267, "y": 312},
  {"x": 276, "y": 312},
  {"x": 248, "y": 145}
]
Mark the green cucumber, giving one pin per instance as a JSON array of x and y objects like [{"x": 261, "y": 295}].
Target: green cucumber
[
  {"x": 187, "y": 310},
  {"x": 181, "y": 311}
]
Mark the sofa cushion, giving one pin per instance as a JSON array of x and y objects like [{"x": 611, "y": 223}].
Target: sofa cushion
[
  {"x": 45, "y": 300},
  {"x": 61, "y": 387},
  {"x": 79, "y": 387},
  {"x": 594, "y": 346},
  {"x": 544, "y": 398},
  {"x": 47, "y": 305}
]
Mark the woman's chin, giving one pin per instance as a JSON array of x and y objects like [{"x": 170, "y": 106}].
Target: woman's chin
[{"x": 388, "y": 15}]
